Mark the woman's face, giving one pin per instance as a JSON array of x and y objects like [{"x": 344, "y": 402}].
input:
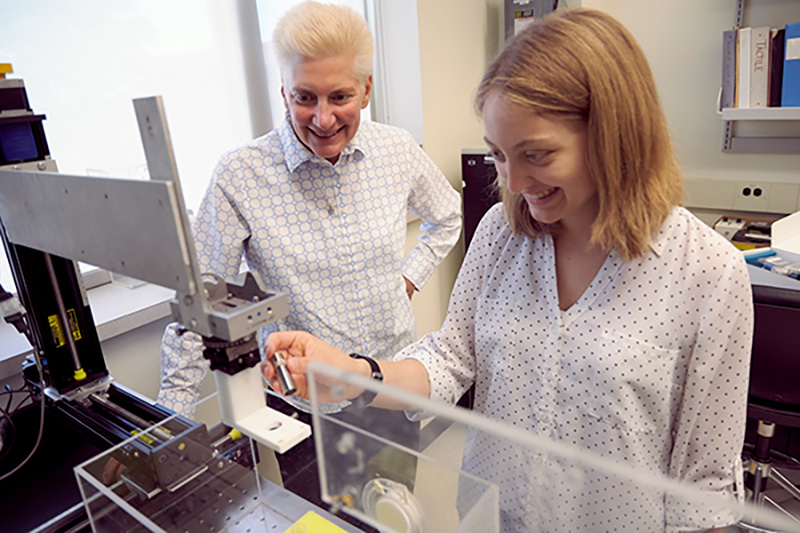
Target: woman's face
[
  {"x": 324, "y": 101},
  {"x": 544, "y": 160}
]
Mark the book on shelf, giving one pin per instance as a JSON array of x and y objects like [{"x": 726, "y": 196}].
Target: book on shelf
[
  {"x": 776, "y": 40},
  {"x": 743, "y": 68},
  {"x": 728, "y": 96},
  {"x": 759, "y": 65},
  {"x": 790, "y": 91}
]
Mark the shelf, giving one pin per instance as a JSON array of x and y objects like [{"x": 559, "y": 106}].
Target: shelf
[
  {"x": 763, "y": 113},
  {"x": 760, "y": 144}
]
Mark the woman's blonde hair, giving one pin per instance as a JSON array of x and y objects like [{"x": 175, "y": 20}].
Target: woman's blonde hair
[
  {"x": 582, "y": 63},
  {"x": 319, "y": 31}
]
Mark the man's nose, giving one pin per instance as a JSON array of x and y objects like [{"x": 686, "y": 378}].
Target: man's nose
[{"x": 324, "y": 116}]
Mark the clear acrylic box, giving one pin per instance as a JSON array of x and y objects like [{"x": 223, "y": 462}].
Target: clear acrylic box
[
  {"x": 225, "y": 485},
  {"x": 210, "y": 489},
  {"x": 483, "y": 475},
  {"x": 460, "y": 478}
]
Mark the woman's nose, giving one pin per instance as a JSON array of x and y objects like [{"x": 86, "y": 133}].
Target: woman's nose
[{"x": 516, "y": 179}]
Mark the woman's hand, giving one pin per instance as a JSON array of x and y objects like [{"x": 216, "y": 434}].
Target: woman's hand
[{"x": 300, "y": 349}]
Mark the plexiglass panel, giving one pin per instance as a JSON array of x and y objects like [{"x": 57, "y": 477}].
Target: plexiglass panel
[
  {"x": 468, "y": 473},
  {"x": 396, "y": 488},
  {"x": 484, "y": 475},
  {"x": 175, "y": 477}
]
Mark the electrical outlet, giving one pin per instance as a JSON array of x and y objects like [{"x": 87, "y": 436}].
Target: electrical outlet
[
  {"x": 762, "y": 197},
  {"x": 750, "y": 196}
]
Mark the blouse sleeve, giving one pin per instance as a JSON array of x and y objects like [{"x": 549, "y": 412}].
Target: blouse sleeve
[{"x": 709, "y": 431}]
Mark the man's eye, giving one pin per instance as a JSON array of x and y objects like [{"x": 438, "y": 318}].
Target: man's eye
[
  {"x": 302, "y": 98},
  {"x": 340, "y": 98},
  {"x": 496, "y": 155}
]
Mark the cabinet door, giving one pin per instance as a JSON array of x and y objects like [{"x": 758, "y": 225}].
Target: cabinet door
[{"x": 478, "y": 194}]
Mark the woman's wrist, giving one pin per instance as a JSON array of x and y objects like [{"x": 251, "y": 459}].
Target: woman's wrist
[
  {"x": 368, "y": 367},
  {"x": 362, "y": 368}
]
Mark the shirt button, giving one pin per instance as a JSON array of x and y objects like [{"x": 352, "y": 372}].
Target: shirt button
[{"x": 545, "y": 418}]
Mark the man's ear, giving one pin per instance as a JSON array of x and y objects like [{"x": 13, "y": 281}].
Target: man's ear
[{"x": 367, "y": 92}]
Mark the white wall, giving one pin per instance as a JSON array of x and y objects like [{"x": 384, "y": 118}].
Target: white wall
[{"x": 457, "y": 41}]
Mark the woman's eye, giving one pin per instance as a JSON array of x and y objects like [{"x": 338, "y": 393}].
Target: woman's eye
[
  {"x": 302, "y": 98},
  {"x": 537, "y": 157}
]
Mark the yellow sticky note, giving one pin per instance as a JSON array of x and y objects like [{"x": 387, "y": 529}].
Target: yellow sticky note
[{"x": 311, "y": 522}]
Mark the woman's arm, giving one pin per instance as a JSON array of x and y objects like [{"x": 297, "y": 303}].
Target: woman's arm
[{"x": 302, "y": 348}]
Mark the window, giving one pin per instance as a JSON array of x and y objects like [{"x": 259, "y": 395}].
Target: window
[{"x": 84, "y": 62}]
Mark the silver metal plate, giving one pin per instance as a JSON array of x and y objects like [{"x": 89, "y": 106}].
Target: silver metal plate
[{"x": 131, "y": 227}]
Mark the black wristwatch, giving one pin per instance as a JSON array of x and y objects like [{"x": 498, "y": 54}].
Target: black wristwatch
[{"x": 367, "y": 396}]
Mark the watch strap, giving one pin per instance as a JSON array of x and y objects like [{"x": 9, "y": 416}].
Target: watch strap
[{"x": 366, "y": 397}]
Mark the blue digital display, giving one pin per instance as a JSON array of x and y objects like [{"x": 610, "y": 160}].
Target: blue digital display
[{"x": 17, "y": 142}]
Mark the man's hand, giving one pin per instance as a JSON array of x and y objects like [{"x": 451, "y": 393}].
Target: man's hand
[
  {"x": 301, "y": 349},
  {"x": 410, "y": 288}
]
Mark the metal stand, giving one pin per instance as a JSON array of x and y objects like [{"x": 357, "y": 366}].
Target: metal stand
[{"x": 760, "y": 470}]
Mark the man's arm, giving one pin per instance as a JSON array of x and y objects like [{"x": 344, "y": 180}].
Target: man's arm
[
  {"x": 434, "y": 200},
  {"x": 219, "y": 236}
]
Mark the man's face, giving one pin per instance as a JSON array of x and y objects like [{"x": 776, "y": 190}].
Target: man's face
[{"x": 324, "y": 101}]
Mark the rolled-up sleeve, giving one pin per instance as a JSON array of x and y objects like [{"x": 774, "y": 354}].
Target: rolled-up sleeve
[
  {"x": 438, "y": 205},
  {"x": 448, "y": 354},
  {"x": 710, "y": 429}
]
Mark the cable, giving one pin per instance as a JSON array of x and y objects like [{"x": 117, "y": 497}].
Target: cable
[
  {"x": 41, "y": 419},
  {"x": 11, "y": 392},
  {"x": 10, "y": 397},
  {"x": 6, "y": 424},
  {"x": 21, "y": 404},
  {"x": 6, "y": 417}
]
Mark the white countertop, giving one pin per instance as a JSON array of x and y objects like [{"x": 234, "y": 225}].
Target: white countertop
[{"x": 117, "y": 308}]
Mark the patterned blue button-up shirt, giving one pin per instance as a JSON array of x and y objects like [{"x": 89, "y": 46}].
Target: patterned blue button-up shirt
[{"x": 331, "y": 237}]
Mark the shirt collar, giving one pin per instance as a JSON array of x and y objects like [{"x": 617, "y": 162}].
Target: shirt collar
[{"x": 296, "y": 152}]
